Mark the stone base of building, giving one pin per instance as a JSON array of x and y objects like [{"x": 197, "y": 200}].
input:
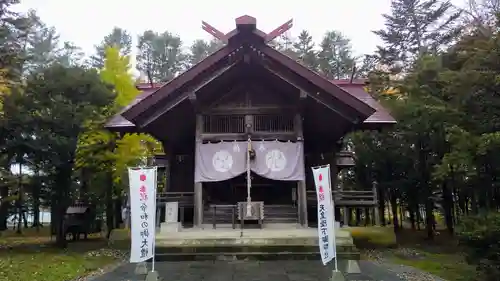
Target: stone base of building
[
  {"x": 170, "y": 227},
  {"x": 269, "y": 243}
]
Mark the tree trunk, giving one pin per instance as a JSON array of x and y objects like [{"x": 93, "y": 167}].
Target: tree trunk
[
  {"x": 19, "y": 201},
  {"x": 109, "y": 204},
  {"x": 118, "y": 212},
  {"x": 429, "y": 217},
  {"x": 448, "y": 206},
  {"x": 367, "y": 217},
  {"x": 381, "y": 204},
  {"x": 460, "y": 208},
  {"x": 419, "y": 216},
  {"x": 465, "y": 207},
  {"x": 401, "y": 215},
  {"x": 4, "y": 208},
  {"x": 474, "y": 203},
  {"x": 109, "y": 194},
  {"x": 84, "y": 188},
  {"x": 389, "y": 213},
  {"x": 394, "y": 207},
  {"x": 36, "y": 202},
  {"x": 62, "y": 184},
  {"x": 25, "y": 220},
  {"x": 412, "y": 218},
  {"x": 423, "y": 169}
]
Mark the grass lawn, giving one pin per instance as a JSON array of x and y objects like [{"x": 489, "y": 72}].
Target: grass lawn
[
  {"x": 448, "y": 266},
  {"x": 441, "y": 257},
  {"x": 31, "y": 256}
]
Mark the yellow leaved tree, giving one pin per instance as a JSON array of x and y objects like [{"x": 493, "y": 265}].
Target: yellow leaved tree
[
  {"x": 100, "y": 150},
  {"x": 4, "y": 87}
]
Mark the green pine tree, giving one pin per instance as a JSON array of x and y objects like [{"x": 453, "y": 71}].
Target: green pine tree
[{"x": 414, "y": 28}]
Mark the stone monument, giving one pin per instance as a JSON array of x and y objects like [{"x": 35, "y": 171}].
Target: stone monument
[{"x": 171, "y": 223}]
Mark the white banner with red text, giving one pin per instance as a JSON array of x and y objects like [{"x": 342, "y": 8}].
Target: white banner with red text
[
  {"x": 142, "y": 212},
  {"x": 326, "y": 214}
]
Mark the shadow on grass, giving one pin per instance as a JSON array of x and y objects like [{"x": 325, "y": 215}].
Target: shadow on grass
[
  {"x": 32, "y": 255},
  {"x": 45, "y": 262},
  {"x": 373, "y": 237},
  {"x": 441, "y": 256}
]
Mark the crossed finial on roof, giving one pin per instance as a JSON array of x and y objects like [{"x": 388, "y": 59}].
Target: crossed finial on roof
[{"x": 247, "y": 21}]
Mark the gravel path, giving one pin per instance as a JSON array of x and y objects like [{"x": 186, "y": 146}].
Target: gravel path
[{"x": 405, "y": 272}]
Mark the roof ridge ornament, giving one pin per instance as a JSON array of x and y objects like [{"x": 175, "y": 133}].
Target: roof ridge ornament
[
  {"x": 247, "y": 21},
  {"x": 278, "y": 31}
]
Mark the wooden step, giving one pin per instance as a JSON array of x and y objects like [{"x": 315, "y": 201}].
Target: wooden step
[{"x": 272, "y": 214}]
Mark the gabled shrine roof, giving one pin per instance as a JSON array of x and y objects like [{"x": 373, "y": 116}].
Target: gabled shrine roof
[
  {"x": 158, "y": 98},
  {"x": 355, "y": 88}
]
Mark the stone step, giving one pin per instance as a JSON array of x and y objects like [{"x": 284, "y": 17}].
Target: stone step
[
  {"x": 251, "y": 237},
  {"x": 270, "y": 249},
  {"x": 281, "y": 219},
  {"x": 233, "y": 256}
]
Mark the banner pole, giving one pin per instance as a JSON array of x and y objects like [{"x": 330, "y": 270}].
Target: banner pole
[
  {"x": 154, "y": 234},
  {"x": 335, "y": 260}
]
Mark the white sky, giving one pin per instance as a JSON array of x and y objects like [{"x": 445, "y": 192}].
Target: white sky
[{"x": 86, "y": 22}]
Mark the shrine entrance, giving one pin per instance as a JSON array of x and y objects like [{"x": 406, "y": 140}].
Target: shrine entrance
[
  {"x": 271, "y": 192},
  {"x": 279, "y": 198},
  {"x": 252, "y": 181}
]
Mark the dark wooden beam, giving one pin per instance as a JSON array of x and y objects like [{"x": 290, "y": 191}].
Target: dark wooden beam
[
  {"x": 175, "y": 84},
  {"x": 164, "y": 109},
  {"x": 192, "y": 97},
  {"x": 302, "y": 101},
  {"x": 214, "y": 76},
  {"x": 256, "y": 136},
  {"x": 313, "y": 96},
  {"x": 297, "y": 124},
  {"x": 214, "y": 31},
  {"x": 267, "y": 88},
  {"x": 186, "y": 95},
  {"x": 249, "y": 110},
  {"x": 362, "y": 109},
  {"x": 278, "y": 31},
  {"x": 233, "y": 90},
  {"x": 194, "y": 101}
]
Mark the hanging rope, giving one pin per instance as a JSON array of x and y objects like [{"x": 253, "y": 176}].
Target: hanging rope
[{"x": 249, "y": 180}]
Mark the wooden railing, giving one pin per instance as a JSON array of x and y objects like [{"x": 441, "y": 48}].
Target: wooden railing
[
  {"x": 224, "y": 211},
  {"x": 185, "y": 199},
  {"x": 349, "y": 198}
]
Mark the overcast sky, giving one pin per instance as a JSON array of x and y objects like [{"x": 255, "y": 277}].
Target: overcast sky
[{"x": 86, "y": 22}]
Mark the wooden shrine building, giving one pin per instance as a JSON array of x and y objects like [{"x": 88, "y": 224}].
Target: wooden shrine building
[{"x": 242, "y": 128}]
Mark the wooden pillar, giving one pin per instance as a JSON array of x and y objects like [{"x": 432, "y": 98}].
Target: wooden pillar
[
  {"x": 376, "y": 215},
  {"x": 346, "y": 216},
  {"x": 301, "y": 185},
  {"x": 168, "y": 165},
  {"x": 198, "y": 204},
  {"x": 167, "y": 180},
  {"x": 368, "y": 215},
  {"x": 333, "y": 183},
  {"x": 198, "y": 186},
  {"x": 302, "y": 196}
]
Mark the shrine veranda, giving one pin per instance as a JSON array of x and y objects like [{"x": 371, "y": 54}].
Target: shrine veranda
[{"x": 240, "y": 132}]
